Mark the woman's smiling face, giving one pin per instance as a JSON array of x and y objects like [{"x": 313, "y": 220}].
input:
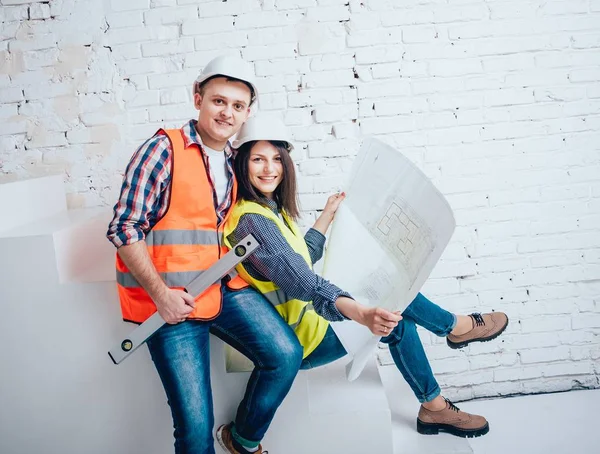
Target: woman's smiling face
[{"x": 265, "y": 168}]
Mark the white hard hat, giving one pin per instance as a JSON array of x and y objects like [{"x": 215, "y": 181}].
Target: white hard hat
[
  {"x": 263, "y": 127},
  {"x": 229, "y": 66}
]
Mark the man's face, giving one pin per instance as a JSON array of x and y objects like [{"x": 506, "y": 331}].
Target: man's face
[{"x": 224, "y": 107}]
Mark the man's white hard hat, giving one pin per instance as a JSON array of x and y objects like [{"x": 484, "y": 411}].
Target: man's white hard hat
[
  {"x": 229, "y": 66},
  {"x": 263, "y": 127}
]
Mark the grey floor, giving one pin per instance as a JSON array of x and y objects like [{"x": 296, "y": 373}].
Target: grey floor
[{"x": 559, "y": 423}]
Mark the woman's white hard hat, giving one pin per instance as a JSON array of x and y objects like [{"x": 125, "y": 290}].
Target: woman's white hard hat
[
  {"x": 229, "y": 66},
  {"x": 263, "y": 127}
]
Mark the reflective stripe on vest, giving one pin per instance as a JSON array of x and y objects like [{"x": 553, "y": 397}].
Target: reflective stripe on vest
[
  {"x": 185, "y": 242},
  {"x": 177, "y": 279},
  {"x": 171, "y": 237},
  {"x": 300, "y": 315},
  {"x": 276, "y": 297}
]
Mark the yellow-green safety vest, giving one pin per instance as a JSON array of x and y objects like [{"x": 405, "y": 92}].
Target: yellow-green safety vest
[{"x": 300, "y": 315}]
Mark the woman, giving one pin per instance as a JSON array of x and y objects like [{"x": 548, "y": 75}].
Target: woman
[{"x": 281, "y": 269}]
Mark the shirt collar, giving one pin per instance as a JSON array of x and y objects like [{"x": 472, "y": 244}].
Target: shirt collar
[
  {"x": 191, "y": 136},
  {"x": 272, "y": 205}
]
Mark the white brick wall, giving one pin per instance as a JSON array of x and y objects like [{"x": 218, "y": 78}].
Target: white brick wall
[{"x": 498, "y": 102}]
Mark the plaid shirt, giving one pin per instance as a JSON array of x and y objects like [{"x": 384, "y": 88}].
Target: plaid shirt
[
  {"x": 147, "y": 185},
  {"x": 276, "y": 261}
]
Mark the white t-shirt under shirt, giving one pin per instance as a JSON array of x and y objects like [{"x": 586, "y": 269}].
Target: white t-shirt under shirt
[{"x": 218, "y": 170}]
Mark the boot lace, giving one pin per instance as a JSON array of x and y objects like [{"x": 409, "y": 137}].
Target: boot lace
[
  {"x": 478, "y": 319},
  {"x": 451, "y": 405}
]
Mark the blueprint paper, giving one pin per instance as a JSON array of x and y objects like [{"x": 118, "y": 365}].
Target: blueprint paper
[{"x": 386, "y": 238}]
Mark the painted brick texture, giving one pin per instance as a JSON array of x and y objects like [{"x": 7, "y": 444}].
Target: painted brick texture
[{"x": 498, "y": 102}]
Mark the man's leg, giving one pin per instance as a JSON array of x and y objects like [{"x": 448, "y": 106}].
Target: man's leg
[
  {"x": 251, "y": 325},
  {"x": 181, "y": 357}
]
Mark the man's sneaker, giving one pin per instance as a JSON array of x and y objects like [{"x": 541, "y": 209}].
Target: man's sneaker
[
  {"x": 225, "y": 439},
  {"x": 452, "y": 420},
  {"x": 485, "y": 328}
]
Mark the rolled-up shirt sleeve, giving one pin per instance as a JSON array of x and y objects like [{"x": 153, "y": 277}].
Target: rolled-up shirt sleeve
[
  {"x": 145, "y": 184},
  {"x": 276, "y": 261},
  {"x": 315, "y": 241}
]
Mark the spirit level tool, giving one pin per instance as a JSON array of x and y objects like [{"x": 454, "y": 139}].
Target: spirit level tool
[{"x": 222, "y": 267}]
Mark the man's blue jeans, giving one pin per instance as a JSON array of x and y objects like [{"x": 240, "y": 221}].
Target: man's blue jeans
[
  {"x": 250, "y": 324},
  {"x": 405, "y": 346}
]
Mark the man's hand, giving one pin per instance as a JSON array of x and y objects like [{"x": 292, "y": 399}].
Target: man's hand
[
  {"x": 379, "y": 321},
  {"x": 174, "y": 305}
]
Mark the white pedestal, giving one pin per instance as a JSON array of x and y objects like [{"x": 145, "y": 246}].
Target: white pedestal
[
  {"x": 24, "y": 202},
  {"x": 405, "y": 408},
  {"x": 60, "y": 392},
  {"x": 322, "y": 414}
]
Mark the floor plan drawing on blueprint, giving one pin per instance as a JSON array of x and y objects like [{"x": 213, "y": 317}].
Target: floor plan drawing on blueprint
[
  {"x": 404, "y": 236},
  {"x": 387, "y": 236}
]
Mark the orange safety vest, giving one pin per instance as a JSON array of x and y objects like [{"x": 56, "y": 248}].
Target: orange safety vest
[{"x": 185, "y": 241}]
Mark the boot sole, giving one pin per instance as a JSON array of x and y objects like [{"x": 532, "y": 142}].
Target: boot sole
[
  {"x": 219, "y": 436},
  {"x": 434, "y": 429},
  {"x": 456, "y": 345}
]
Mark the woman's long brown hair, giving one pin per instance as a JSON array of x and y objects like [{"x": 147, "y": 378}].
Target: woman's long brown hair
[{"x": 285, "y": 195}]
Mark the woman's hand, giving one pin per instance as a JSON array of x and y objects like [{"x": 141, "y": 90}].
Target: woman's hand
[
  {"x": 379, "y": 321},
  {"x": 324, "y": 220},
  {"x": 333, "y": 203}
]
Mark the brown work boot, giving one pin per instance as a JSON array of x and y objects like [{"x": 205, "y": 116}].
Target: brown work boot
[
  {"x": 452, "y": 420},
  {"x": 485, "y": 328},
  {"x": 225, "y": 439}
]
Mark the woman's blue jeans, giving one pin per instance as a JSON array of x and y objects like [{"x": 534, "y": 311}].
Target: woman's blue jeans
[
  {"x": 405, "y": 346},
  {"x": 250, "y": 324}
]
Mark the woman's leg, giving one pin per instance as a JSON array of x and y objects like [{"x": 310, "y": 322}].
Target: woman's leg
[
  {"x": 460, "y": 330},
  {"x": 407, "y": 351},
  {"x": 329, "y": 350},
  {"x": 410, "y": 359},
  {"x": 430, "y": 316},
  {"x": 436, "y": 413}
]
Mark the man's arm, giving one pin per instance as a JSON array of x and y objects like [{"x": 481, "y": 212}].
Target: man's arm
[
  {"x": 144, "y": 192},
  {"x": 141, "y": 204},
  {"x": 173, "y": 305}
]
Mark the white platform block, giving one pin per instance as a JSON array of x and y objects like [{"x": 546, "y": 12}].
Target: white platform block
[
  {"x": 405, "y": 408},
  {"x": 322, "y": 414},
  {"x": 24, "y": 202},
  {"x": 61, "y": 393},
  {"x": 81, "y": 250}
]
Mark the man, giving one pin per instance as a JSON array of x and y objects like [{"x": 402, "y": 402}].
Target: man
[{"x": 168, "y": 226}]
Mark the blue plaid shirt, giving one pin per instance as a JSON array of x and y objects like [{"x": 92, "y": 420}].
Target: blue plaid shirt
[{"x": 276, "y": 261}]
